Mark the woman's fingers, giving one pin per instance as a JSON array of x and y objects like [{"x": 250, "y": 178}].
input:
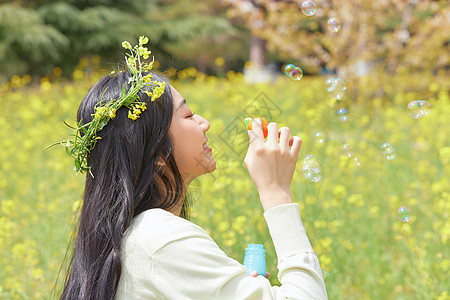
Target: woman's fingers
[
  {"x": 256, "y": 134},
  {"x": 272, "y": 135},
  {"x": 296, "y": 145},
  {"x": 284, "y": 139}
]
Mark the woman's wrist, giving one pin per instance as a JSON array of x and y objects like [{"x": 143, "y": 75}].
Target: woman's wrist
[{"x": 274, "y": 197}]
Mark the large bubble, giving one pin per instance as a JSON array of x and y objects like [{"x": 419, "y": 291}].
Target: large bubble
[
  {"x": 418, "y": 109},
  {"x": 311, "y": 168},
  {"x": 335, "y": 87}
]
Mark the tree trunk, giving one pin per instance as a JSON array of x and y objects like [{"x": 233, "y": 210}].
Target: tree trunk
[{"x": 258, "y": 51}]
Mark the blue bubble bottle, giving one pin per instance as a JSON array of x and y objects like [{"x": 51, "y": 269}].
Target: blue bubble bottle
[{"x": 255, "y": 259}]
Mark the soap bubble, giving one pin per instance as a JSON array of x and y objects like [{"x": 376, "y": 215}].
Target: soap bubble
[
  {"x": 418, "y": 109},
  {"x": 388, "y": 151},
  {"x": 311, "y": 168},
  {"x": 297, "y": 73},
  {"x": 288, "y": 69},
  {"x": 336, "y": 88},
  {"x": 356, "y": 161},
  {"x": 404, "y": 214},
  {"x": 319, "y": 137},
  {"x": 342, "y": 114},
  {"x": 293, "y": 72},
  {"x": 333, "y": 24},
  {"x": 347, "y": 150},
  {"x": 308, "y": 8}
]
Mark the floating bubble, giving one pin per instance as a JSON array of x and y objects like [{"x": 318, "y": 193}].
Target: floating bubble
[
  {"x": 356, "y": 161},
  {"x": 308, "y": 8},
  {"x": 297, "y": 73},
  {"x": 404, "y": 214},
  {"x": 333, "y": 24},
  {"x": 342, "y": 114},
  {"x": 311, "y": 168},
  {"x": 288, "y": 69},
  {"x": 347, "y": 150},
  {"x": 335, "y": 87},
  {"x": 418, "y": 109},
  {"x": 319, "y": 137},
  {"x": 388, "y": 151}
]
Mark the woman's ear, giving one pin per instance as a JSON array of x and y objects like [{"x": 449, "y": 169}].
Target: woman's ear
[{"x": 160, "y": 161}]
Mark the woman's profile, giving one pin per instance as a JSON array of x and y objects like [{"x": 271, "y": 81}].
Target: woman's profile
[{"x": 134, "y": 239}]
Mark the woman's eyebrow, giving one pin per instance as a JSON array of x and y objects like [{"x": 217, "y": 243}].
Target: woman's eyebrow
[{"x": 183, "y": 102}]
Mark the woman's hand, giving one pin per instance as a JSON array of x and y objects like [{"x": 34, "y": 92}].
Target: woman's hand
[{"x": 271, "y": 164}]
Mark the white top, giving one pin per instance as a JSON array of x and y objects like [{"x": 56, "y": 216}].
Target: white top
[{"x": 168, "y": 257}]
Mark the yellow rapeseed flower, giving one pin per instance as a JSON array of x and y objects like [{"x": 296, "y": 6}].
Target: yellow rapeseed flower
[
  {"x": 112, "y": 113},
  {"x": 99, "y": 112},
  {"x": 143, "y": 40},
  {"x": 126, "y": 45},
  {"x": 132, "y": 116},
  {"x": 158, "y": 91}
]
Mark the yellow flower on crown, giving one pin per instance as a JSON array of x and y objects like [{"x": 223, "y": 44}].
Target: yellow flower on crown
[
  {"x": 86, "y": 134},
  {"x": 132, "y": 116},
  {"x": 158, "y": 91},
  {"x": 126, "y": 45},
  {"x": 112, "y": 113}
]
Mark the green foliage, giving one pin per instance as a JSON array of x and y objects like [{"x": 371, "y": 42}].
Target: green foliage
[
  {"x": 37, "y": 36},
  {"x": 26, "y": 41}
]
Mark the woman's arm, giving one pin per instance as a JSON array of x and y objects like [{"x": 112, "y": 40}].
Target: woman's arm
[{"x": 194, "y": 267}]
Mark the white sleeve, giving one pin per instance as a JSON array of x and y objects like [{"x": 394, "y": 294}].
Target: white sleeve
[{"x": 194, "y": 267}]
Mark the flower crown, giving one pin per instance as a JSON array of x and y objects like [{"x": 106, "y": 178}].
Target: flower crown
[{"x": 85, "y": 136}]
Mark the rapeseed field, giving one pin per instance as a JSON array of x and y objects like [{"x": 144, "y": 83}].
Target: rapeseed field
[{"x": 350, "y": 215}]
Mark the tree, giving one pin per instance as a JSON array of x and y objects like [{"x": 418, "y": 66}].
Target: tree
[
  {"x": 36, "y": 36},
  {"x": 396, "y": 36}
]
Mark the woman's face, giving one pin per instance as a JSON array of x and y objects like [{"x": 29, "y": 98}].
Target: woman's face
[{"x": 188, "y": 130}]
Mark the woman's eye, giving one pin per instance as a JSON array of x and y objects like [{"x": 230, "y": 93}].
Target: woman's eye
[{"x": 190, "y": 116}]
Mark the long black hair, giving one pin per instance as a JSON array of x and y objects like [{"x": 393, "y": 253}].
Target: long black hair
[{"x": 125, "y": 169}]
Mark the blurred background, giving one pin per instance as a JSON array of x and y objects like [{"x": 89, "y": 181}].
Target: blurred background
[
  {"x": 369, "y": 98},
  {"x": 50, "y": 37}
]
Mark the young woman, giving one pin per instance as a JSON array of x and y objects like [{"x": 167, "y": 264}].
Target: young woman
[{"x": 134, "y": 240}]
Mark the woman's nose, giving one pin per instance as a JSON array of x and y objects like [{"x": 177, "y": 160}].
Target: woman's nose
[{"x": 204, "y": 123}]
